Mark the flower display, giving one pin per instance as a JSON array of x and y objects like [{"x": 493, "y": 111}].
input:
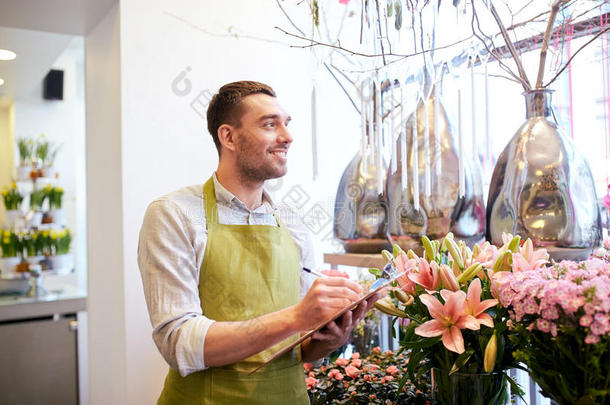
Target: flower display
[
  {"x": 369, "y": 380},
  {"x": 456, "y": 322},
  {"x": 561, "y": 316}
]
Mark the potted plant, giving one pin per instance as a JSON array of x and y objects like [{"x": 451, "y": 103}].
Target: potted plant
[
  {"x": 62, "y": 261},
  {"x": 458, "y": 332},
  {"x": 37, "y": 198},
  {"x": 12, "y": 200},
  {"x": 48, "y": 167},
  {"x": 55, "y": 196},
  {"x": 33, "y": 247},
  {"x": 376, "y": 379},
  {"x": 25, "y": 147},
  {"x": 11, "y": 252}
]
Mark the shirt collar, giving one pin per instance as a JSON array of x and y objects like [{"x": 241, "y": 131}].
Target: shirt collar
[{"x": 225, "y": 196}]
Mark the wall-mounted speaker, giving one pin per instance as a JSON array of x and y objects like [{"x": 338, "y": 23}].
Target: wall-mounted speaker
[{"x": 53, "y": 85}]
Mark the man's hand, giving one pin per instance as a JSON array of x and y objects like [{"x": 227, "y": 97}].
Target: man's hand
[
  {"x": 336, "y": 333},
  {"x": 327, "y": 296}
]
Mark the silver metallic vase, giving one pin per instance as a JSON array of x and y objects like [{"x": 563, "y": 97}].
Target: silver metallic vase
[
  {"x": 542, "y": 188},
  {"x": 360, "y": 218},
  {"x": 443, "y": 210}
]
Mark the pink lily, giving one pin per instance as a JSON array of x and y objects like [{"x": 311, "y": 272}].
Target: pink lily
[
  {"x": 487, "y": 256},
  {"x": 403, "y": 263},
  {"x": 528, "y": 258},
  {"x": 448, "y": 320},
  {"x": 426, "y": 275},
  {"x": 474, "y": 307}
]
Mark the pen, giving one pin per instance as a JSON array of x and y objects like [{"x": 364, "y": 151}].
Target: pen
[{"x": 315, "y": 273}]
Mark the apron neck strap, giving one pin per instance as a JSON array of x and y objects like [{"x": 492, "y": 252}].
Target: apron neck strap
[
  {"x": 211, "y": 210},
  {"x": 209, "y": 198}
]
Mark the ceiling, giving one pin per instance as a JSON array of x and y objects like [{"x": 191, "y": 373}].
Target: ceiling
[
  {"x": 75, "y": 17},
  {"x": 38, "y": 31},
  {"x": 36, "y": 52}
]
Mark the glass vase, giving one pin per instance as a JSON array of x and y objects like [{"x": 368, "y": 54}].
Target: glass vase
[{"x": 468, "y": 389}]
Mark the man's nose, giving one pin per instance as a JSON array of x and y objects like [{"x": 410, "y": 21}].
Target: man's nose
[{"x": 284, "y": 135}]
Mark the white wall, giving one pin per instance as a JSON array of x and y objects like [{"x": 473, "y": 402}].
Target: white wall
[{"x": 106, "y": 289}]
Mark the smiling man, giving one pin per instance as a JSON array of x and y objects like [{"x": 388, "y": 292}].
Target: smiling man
[{"x": 222, "y": 269}]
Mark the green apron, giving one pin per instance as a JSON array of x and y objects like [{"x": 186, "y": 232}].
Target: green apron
[{"x": 247, "y": 271}]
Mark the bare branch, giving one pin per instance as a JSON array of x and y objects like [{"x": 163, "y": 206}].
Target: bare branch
[
  {"x": 288, "y": 17},
  {"x": 574, "y": 54},
  {"x": 545, "y": 42},
  {"x": 526, "y": 83}
]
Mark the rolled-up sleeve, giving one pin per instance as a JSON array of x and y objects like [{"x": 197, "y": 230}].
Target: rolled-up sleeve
[{"x": 168, "y": 266}]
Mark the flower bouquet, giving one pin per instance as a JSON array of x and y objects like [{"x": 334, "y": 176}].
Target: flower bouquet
[
  {"x": 458, "y": 330},
  {"x": 561, "y": 316},
  {"x": 370, "y": 380}
]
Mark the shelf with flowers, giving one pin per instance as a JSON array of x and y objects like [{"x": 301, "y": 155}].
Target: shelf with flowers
[
  {"x": 476, "y": 313},
  {"x": 35, "y": 231},
  {"x": 374, "y": 379}
]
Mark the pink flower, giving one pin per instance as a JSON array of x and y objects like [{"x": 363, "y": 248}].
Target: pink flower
[
  {"x": 308, "y": 366},
  {"x": 344, "y": 2},
  {"x": 607, "y": 243},
  {"x": 528, "y": 258},
  {"x": 367, "y": 377},
  {"x": 386, "y": 379},
  {"x": 392, "y": 370},
  {"x": 473, "y": 305},
  {"x": 404, "y": 264},
  {"x": 355, "y": 355},
  {"x": 591, "y": 339},
  {"x": 341, "y": 361},
  {"x": 376, "y": 349},
  {"x": 311, "y": 382},
  {"x": 487, "y": 256},
  {"x": 426, "y": 275},
  {"x": 448, "y": 319},
  {"x": 356, "y": 363},
  {"x": 352, "y": 371},
  {"x": 336, "y": 374}
]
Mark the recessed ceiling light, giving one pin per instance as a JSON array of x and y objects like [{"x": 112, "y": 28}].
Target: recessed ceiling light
[
  {"x": 5, "y": 54},
  {"x": 1, "y": 82}
]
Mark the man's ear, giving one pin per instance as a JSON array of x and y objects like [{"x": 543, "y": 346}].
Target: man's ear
[{"x": 225, "y": 136}]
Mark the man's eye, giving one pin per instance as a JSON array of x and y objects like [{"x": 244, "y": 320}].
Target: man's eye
[{"x": 269, "y": 124}]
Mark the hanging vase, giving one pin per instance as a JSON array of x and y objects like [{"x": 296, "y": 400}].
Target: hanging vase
[
  {"x": 360, "y": 217},
  {"x": 542, "y": 188},
  {"x": 443, "y": 211}
]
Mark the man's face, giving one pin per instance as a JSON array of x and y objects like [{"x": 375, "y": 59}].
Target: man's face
[{"x": 262, "y": 140}]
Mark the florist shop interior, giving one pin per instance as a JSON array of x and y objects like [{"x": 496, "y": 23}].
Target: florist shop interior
[{"x": 455, "y": 152}]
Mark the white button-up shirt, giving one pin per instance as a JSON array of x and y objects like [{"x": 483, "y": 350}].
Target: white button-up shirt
[{"x": 170, "y": 252}]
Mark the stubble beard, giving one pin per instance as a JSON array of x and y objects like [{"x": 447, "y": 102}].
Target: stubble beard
[{"x": 254, "y": 169}]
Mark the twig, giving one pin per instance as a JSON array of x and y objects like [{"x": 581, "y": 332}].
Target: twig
[
  {"x": 288, "y": 17},
  {"x": 361, "y": 20},
  {"x": 574, "y": 54},
  {"x": 380, "y": 33},
  {"x": 342, "y": 88},
  {"x": 545, "y": 42},
  {"x": 526, "y": 84},
  {"x": 314, "y": 42}
]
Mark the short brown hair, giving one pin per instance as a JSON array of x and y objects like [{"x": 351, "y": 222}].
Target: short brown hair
[{"x": 225, "y": 106}]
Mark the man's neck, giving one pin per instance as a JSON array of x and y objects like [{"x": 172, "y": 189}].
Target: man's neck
[{"x": 248, "y": 191}]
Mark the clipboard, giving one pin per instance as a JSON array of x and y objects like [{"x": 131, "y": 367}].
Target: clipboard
[{"x": 306, "y": 336}]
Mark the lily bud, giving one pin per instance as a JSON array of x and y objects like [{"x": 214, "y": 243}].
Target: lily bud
[
  {"x": 411, "y": 254},
  {"x": 491, "y": 351},
  {"x": 448, "y": 278},
  {"x": 470, "y": 272}
]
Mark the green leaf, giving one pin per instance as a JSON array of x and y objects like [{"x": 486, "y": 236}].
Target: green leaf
[
  {"x": 375, "y": 272},
  {"x": 461, "y": 360}
]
